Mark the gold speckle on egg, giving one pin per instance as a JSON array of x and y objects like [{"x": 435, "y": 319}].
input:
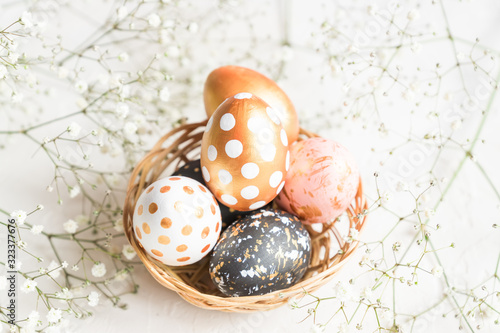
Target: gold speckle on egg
[
  {"x": 150, "y": 189},
  {"x": 165, "y": 189},
  {"x": 146, "y": 228},
  {"x": 163, "y": 240},
  {"x": 178, "y": 206},
  {"x": 183, "y": 259},
  {"x": 205, "y": 248},
  {"x": 202, "y": 188},
  {"x": 153, "y": 208},
  {"x": 166, "y": 222},
  {"x": 188, "y": 189},
  {"x": 212, "y": 209},
  {"x": 157, "y": 253},
  {"x": 140, "y": 210},
  {"x": 205, "y": 232},
  {"x": 138, "y": 232},
  {"x": 181, "y": 248},
  {"x": 174, "y": 178},
  {"x": 198, "y": 212},
  {"x": 186, "y": 230}
]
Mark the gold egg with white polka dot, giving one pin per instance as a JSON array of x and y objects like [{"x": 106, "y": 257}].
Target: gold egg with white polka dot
[{"x": 244, "y": 153}]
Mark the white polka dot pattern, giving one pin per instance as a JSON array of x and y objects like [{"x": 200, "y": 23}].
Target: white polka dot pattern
[
  {"x": 206, "y": 174},
  {"x": 229, "y": 199},
  {"x": 284, "y": 138},
  {"x": 234, "y": 148},
  {"x": 272, "y": 114},
  {"x": 280, "y": 187},
  {"x": 275, "y": 179},
  {"x": 244, "y": 153},
  {"x": 287, "y": 161},
  {"x": 225, "y": 177},
  {"x": 212, "y": 153},
  {"x": 227, "y": 122},
  {"x": 250, "y": 170},
  {"x": 257, "y": 204},
  {"x": 250, "y": 192}
]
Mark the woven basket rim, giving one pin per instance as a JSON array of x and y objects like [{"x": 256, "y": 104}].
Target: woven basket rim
[{"x": 154, "y": 163}]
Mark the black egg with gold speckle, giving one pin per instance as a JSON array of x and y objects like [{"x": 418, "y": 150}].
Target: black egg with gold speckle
[
  {"x": 193, "y": 170},
  {"x": 265, "y": 251}
]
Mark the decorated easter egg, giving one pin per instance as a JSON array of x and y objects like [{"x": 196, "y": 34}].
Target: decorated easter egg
[
  {"x": 192, "y": 169},
  {"x": 261, "y": 253},
  {"x": 322, "y": 181},
  {"x": 244, "y": 153},
  {"x": 227, "y": 81},
  {"x": 177, "y": 220}
]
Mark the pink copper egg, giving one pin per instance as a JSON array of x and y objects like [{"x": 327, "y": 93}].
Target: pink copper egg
[{"x": 322, "y": 181}]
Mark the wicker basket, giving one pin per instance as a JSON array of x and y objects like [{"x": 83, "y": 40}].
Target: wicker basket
[{"x": 329, "y": 251}]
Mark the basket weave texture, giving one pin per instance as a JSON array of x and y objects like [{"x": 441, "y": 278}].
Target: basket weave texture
[{"x": 329, "y": 250}]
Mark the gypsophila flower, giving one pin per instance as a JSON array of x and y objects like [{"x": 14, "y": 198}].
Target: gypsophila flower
[
  {"x": 437, "y": 271},
  {"x": 65, "y": 294},
  {"x": 75, "y": 268},
  {"x": 74, "y": 129},
  {"x": 413, "y": 15},
  {"x": 54, "y": 315},
  {"x": 123, "y": 57},
  {"x": 33, "y": 318},
  {"x": 118, "y": 225},
  {"x": 387, "y": 196},
  {"x": 154, "y": 20},
  {"x": 164, "y": 94},
  {"x": 317, "y": 328},
  {"x": 342, "y": 292},
  {"x": 93, "y": 298},
  {"x": 29, "y": 286},
  {"x": 129, "y": 128},
  {"x": 122, "y": 110},
  {"x": 367, "y": 292},
  {"x": 21, "y": 244},
  {"x": 99, "y": 269},
  {"x": 81, "y": 86},
  {"x": 62, "y": 72},
  {"x": 70, "y": 226},
  {"x": 20, "y": 216},
  {"x": 27, "y": 20},
  {"x": 128, "y": 251},
  {"x": 64, "y": 264},
  {"x": 54, "y": 269},
  {"x": 343, "y": 328},
  {"x": 73, "y": 191},
  {"x": 121, "y": 13}
]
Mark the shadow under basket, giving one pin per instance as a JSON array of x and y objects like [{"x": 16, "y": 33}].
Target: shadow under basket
[{"x": 329, "y": 250}]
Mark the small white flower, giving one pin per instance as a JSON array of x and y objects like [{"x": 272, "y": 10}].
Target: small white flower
[
  {"x": 62, "y": 72},
  {"x": 409, "y": 95},
  {"x": 74, "y": 129},
  {"x": 93, "y": 298},
  {"x": 354, "y": 234},
  {"x": 456, "y": 124},
  {"x": 154, "y": 20},
  {"x": 64, "y": 264},
  {"x": 342, "y": 292},
  {"x": 40, "y": 207},
  {"x": 429, "y": 212},
  {"x": 128, "y": 251},
  {"x": 49, "y": 189},
  {"x": 75, "y": 268},
  {"x": 118, "y": 225},
  {"x": 123, "y": 57},
  {"x": 28, "y": 286},
  {"x": 19, "y": 215},
  {"x": 413, "y": 14},
  {"x": 21, "y": 244},
  {"x": 193, "y": 27},
  {"x": 13, "y": 57},
  {"x": 173, "y": 51},
  {"x": 367, "y": 292},
  {"x": 402, "y": 186},
  {"x": 121, "y": 12},
  {"x": 3, "y": 72},
  {"x": 74, "y": 191},
  {"x": 99, "y": 269},
  {"x": 387, "y": 196},
  {"x": 54, "y": 269},
  {"x": 343, "y": 328},
  {"x": 416, "y": 47},
  {"x": 437, "y": 271},
  {"x": 130, "y": 128},
  {"x": 3, "y": 282},
  {"x": 33, "y": 318},
  {"x": 17, "y": 97},
  {"x": 70, "y": 226},
  {"x": 122, "y": 110},
  {"x": 81, "y": 86},
  {"x": 54, "y": 315},
  {"x": 164, "y": 94},
  {"x": 27, "y": 20},
  {"x": 317, "y": 328},
  {"x": 65, "y": 293}
]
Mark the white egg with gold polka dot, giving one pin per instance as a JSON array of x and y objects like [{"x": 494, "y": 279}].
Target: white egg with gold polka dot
[
  {"x": 244, "y": 153},
  {"x": 177, "y": 220}
]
